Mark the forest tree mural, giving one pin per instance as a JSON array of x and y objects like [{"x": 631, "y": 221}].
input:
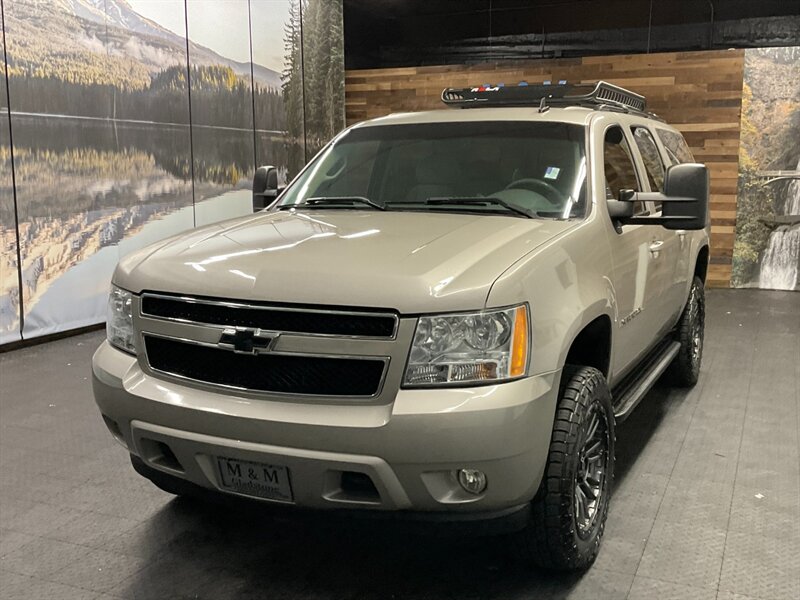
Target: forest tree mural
[{"x": 314, "y": 102}]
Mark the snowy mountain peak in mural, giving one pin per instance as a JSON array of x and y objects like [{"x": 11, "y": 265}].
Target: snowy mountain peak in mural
[
  {"x": 91, "y": 33},
  {"x": 118, "y": 13}
]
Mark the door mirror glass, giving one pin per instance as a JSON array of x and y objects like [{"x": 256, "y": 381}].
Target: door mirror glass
[
  {"x": 620, "y": 209},
  {"x": 265, "y": 187}
]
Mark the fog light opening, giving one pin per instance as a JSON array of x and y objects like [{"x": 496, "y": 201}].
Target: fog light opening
[
  {"x": 160, "y": 454},
  {"x": 116, "y": 432},
  {"x": 472, "y": 480}
]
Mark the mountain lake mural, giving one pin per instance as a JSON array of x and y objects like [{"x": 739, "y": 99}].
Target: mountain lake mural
[{"x": 125, "y": 132}]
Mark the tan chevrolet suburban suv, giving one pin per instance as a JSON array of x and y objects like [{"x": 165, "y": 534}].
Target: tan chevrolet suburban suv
[{"x": 442, "y": 317}]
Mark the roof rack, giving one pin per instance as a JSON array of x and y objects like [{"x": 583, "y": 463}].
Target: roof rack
[{"x": 600, "y": 95}]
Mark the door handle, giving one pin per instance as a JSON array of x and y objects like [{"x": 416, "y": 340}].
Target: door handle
[{"x": 655, "y": 246}]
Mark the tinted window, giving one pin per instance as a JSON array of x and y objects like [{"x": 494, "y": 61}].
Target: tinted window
[
  {"x": 676, "y": 146},
  {"x": 619, "y": 168},
  {"x": 538, "y": 167}
]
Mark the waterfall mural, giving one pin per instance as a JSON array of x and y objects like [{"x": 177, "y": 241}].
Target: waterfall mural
[
  {"x": 781, "y": 259},
  {"x": 134, "y": 120},
  {"x": 767, "y": 249}
]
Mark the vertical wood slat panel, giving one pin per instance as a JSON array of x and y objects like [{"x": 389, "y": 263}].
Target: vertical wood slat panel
[{"x": 699, "y": 93}]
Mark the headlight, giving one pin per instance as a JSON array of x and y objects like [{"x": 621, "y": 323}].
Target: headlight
[
  {"x": 119, "y": 321},
  {"x": 472, "y": 347}
]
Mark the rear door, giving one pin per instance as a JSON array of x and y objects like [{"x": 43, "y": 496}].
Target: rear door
[
  {"x": 666, "y": 246},
  {"x": 635, "y": 280},
  {"x": 676, "y": 151}
]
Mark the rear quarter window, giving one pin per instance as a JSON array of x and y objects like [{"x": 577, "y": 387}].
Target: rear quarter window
[{"x": 676, "y": 146}]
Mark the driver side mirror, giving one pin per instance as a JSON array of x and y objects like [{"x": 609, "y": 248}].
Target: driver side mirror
[
  {"x": 265, "y": 187},
  {"x": 684, "y": 203}
]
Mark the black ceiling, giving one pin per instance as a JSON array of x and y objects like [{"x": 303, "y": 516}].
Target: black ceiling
[{"x": 382, "y": 33}]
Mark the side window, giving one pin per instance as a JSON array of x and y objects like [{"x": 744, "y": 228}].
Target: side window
[
  {"x": 619, "y": 169},
  {"x": 676, "y": 146}
]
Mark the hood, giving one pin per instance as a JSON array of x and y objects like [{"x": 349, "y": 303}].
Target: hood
[{"x": 412, "y": 262}]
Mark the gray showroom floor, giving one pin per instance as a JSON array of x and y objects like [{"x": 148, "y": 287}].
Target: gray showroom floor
[{"x": 707, "y": 502}]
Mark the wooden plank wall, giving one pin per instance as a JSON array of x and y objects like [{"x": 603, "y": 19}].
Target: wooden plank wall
[{"x": 700, "y": 93}]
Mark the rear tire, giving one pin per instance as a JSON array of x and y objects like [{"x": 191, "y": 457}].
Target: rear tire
[
  {"x": 685, "y": 368},
  {"x": 569, "y": 511}
]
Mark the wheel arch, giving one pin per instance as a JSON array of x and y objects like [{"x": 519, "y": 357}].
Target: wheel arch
[
  {"x": 701, "y": 263},
  {"x": 590, "y": 342}
]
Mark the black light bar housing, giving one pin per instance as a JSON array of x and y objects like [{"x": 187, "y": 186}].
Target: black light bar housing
[{"x": 599, "y": 95}]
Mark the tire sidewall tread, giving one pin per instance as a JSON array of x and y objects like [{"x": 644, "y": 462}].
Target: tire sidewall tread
[
  {"x": 682, "y": 372},
  {"x": 551, "y": 540}
]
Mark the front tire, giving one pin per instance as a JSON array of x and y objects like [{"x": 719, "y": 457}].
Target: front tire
[
  {"x": 569, "y": 511},
  {"x": 685, "y": 368}
]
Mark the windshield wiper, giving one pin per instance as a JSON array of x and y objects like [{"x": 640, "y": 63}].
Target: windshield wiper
[
  {"x": 333, "y": 201},
  {"x": 478, "y": 201}
]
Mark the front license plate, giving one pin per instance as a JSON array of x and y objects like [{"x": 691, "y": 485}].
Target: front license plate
[{"x": 254, "y": 479}]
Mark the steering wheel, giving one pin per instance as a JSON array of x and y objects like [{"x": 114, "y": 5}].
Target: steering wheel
[{"x": 551, "y": 193}]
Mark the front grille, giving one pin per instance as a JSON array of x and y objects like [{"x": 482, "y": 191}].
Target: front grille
[
  {"x": 278, "y": 373},
  {"x": 274, "y": 318}
]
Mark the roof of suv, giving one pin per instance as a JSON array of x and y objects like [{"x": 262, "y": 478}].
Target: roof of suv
[
  {"x": 562, "y": 103},
  {"x": 577, "y": 115}
]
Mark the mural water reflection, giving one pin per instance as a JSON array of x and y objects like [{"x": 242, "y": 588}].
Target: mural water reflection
[
  {"x": 89, "y": 187},
  {"x": 9, "y": 275}
]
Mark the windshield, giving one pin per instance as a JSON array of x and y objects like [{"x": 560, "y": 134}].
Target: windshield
[{"x": 510, "y": 167}]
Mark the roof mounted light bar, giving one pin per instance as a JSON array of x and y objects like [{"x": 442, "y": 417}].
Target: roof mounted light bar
[{"x": 601, "y": 94}]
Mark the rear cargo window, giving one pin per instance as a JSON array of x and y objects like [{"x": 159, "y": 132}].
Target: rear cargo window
[{"x": 676, "y": 146}]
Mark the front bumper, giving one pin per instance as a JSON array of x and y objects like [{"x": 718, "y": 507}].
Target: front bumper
[{"x": 410, "y": 448}]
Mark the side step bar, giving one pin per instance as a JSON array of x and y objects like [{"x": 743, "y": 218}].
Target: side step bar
[{"x": 633, "y": 388}]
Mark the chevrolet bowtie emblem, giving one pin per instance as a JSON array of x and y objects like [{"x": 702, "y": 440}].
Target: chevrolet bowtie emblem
[{"x": 245, "y": 340}]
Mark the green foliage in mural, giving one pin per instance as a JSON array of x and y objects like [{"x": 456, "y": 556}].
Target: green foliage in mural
[{"x": 219, "y": 97}]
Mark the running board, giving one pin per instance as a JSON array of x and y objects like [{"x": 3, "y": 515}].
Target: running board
[{"x": 635, "y": 387}]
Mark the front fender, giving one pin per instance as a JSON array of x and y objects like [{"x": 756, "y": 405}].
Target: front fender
[{"x": 567, "y": 284}]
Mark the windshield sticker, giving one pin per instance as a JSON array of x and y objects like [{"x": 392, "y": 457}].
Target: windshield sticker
[{"x": 551, "y": 173}]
